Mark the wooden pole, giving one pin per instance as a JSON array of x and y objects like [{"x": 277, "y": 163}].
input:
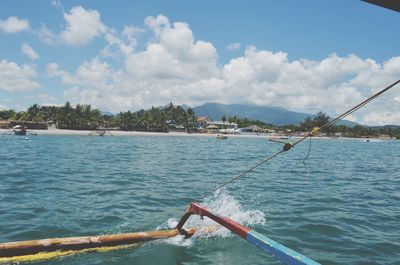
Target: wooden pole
[{"x": 20, "y": 248}]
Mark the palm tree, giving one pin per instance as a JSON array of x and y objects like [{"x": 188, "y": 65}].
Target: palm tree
[
  {"x": 80, "y": 121},
  {"x": 191, "y": 117},
  {"x": 223, "y": 119},
  {"x": 95, "y": 118},
  {"x": 33, "y": 111}
]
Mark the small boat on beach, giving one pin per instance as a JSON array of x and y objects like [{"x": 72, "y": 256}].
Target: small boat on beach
[
  {"x": 99, "y": 132},
  {"x": 222, "y": 137},
  {"x": 19, "y": 130}
]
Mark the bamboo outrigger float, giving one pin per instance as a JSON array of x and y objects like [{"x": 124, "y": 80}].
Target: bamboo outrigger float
[
  {"x": 26, "y": 250},
  {"x": 55, "y": 247}
]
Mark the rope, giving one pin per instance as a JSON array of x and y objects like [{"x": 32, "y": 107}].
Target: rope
[
  {"x": 314, "y": 132},
  {"x": 243, "y": 173},
  {"x": 305, "y": 160}
]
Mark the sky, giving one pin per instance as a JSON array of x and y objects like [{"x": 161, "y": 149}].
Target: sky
[{"x": 305, "y": 56}]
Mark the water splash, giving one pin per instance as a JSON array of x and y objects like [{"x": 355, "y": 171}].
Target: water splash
[{"x": 223, "y": 204}]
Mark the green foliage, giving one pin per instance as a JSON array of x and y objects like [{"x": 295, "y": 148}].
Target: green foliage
[
  {"x": 82, "y": 117},
  {"x": 155, "y": 119},
  {"x": 66, "y": 117},
  {"x": 319, "y": 119},
  {"x": 6, "y": 114},
  {"x": 245, "y": 122}
]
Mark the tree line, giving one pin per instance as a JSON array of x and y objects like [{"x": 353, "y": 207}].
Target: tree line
[
  {"x": 84, "y": 117},
  {"x": 163, "y": 119},
  {"x": 160, "y": 119},
  {"x": 318, "y": 120}
]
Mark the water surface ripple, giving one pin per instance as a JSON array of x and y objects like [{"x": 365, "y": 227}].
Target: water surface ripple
[{"x": 345, "y": 210}]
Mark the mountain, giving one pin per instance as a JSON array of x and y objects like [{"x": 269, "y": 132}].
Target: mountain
[
  {"x": 108, "y": 113},
  {"x": 274, "y": 115},
  {"x": 389, "y": 126}
]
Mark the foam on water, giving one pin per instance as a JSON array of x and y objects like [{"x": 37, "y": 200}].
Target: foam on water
[{"x": 222, "y": 204}]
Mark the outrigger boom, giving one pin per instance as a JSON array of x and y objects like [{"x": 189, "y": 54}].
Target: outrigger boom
[{"x": 275, "y": 249}]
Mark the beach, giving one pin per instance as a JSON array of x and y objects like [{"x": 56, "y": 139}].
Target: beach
[
  {"x": 63, "y": 132},
  {"x": 55, "y": 131}
]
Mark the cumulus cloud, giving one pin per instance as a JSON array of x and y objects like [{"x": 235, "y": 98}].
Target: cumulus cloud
[
  {"x": 332, "y": 84},
  {"x": 14, "y": 24},
  {"x": 54, "y": 71},
  {"x": 82, "y": 26},
  {"x": 124, "y": 43},
  {"x": 42, "y": 97},
  {"x": 234, "y": 46},
  {"x": 175, "y": 66},
  {"x": 14, "y": 77},
  {"x": 174, "y": 54},
  {"x": 381, "y": 118},
  {"x": 28, "y": 50}
]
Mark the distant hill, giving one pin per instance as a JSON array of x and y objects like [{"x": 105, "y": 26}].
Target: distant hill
[
  {"x": 274, "y": 115},
  {"x": 389, "y": 126},
  {"x": 108, "y": 113}
]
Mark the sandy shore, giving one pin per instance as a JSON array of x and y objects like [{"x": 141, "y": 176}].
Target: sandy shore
[{"x": 54, "y": 131}]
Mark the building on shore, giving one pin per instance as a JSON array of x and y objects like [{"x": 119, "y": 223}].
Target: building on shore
[
  {"x": 203, "y": 121},
  {"x": 223, "y": 124},
  {"x": 253, "y": 128}
]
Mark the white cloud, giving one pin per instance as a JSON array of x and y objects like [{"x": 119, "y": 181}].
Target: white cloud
[
  {"x": 382, "y": 118},
  {"x": 176, "y": 67},
  {"x": 42, "y": 97},
  {"x": 332, "y": 84},
  {"x": 46, "y": 35},
  {"x": 57, "y": 4},
  {"x": 82, "y": 26},
  {"x": 93, "y": 75},
  {"x": 233, "y": 46},
  {"x": 174, "y": 54},
  {"x": 4, "y": 107},
  {"x": 124, "y": 43},
  {"x": 28, "y": 50},
  {"x": 54, "y": 71},
  {"x": 14, "y": 24},
  {"x": 14, "y": 77}
]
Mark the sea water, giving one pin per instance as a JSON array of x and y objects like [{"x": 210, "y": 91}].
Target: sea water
[{"x": 343, "y": 207}]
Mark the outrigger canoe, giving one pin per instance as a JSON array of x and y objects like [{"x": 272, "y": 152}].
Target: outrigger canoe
[{"x": 55, "y": 247}]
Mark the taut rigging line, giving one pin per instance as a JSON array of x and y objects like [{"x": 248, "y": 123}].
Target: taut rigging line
[{"x": 314, "y": 132}]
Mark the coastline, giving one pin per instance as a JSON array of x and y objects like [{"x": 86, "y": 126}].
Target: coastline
[{"x": 64, "y": 132}]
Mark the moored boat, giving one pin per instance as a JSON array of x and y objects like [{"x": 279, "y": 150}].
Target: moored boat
[
  {"x": 19, "y": 130},
  {"x": 222, "y": 137}
]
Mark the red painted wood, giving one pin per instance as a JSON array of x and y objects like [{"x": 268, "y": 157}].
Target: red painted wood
[{"x": 235, "y": 227}]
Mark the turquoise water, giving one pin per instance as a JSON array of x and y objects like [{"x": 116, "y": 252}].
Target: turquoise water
[{"x": 346, "y": 210}]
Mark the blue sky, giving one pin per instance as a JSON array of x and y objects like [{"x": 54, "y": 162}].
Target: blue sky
[{"x": 118, "y": 55}]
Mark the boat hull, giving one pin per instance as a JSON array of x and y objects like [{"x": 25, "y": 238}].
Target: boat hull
[{"x": 19, "y": 132}]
